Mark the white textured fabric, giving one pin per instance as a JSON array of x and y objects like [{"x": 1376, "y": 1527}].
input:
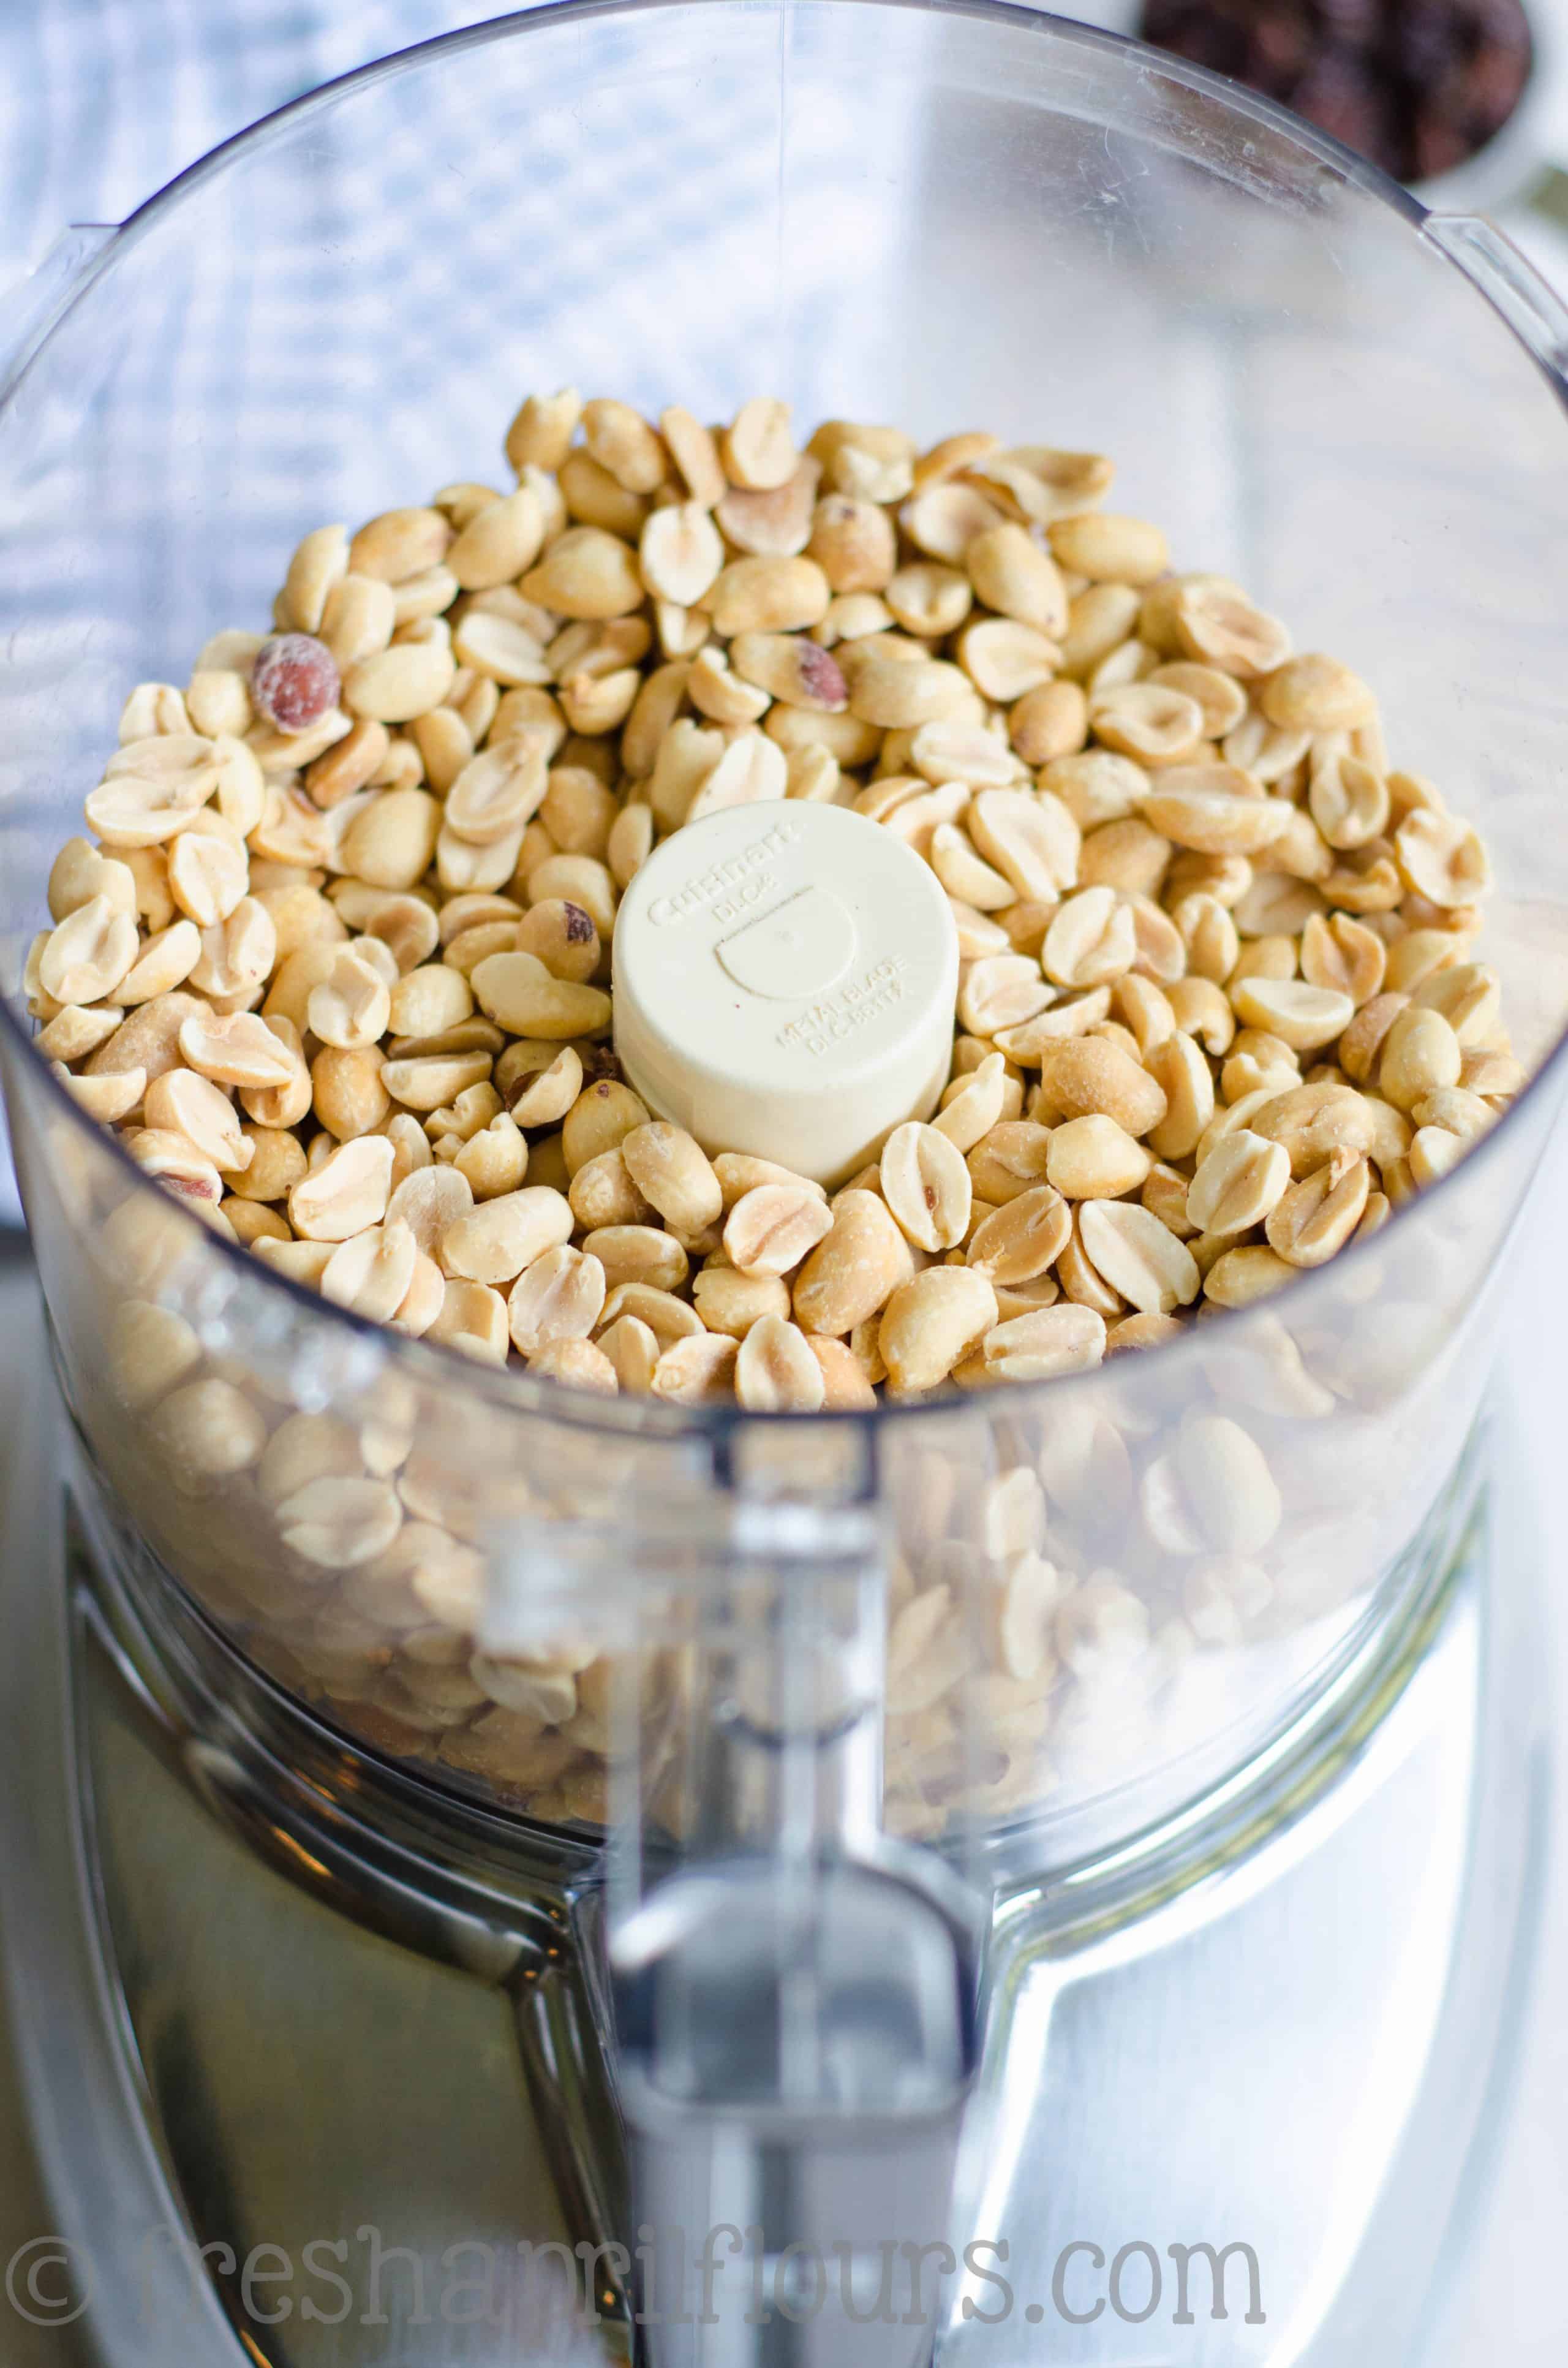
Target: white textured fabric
[{"x": 104, "y": 100}]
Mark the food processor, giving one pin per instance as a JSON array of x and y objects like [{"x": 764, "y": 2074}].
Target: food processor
[{"x": 1041, "y": 1875}]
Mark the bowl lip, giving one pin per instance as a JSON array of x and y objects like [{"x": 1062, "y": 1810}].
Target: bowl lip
[
  {"x": 643, "y": 1417},
  {"x": 1021, "y": 14}
]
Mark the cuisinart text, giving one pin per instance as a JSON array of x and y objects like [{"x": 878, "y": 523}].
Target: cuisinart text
[{"x": 726, "y": 890}]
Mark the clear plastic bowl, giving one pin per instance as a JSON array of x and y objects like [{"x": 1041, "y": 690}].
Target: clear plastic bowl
[{"x": 946, "y": 217}]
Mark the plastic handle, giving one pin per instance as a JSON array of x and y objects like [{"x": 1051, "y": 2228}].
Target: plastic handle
[
  {"x": 1510, "y": 283},
  {"x": 794, "y": 1991},
  {"x": 30, "y": 307}
]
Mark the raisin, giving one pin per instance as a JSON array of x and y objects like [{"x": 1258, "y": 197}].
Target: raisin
[
  {"x": 1282, "y": 42},
  {"x": 1418, "y": 86},
  {"x": 1341, "y": 96}
]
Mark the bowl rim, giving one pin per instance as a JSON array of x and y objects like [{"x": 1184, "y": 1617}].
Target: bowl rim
[{"x": 515, "y": 1391}]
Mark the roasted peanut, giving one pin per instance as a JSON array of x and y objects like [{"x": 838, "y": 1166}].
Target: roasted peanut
[{"x": 1214, "y": 883}]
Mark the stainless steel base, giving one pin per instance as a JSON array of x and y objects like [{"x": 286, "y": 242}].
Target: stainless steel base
[
  {"x": 1298, "y": 2053},
  {"x": 1297, "y": 2068}
]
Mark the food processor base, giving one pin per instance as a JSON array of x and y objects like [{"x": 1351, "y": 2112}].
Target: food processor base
[
  {"x": 1299, "y": 2061},
  {"x": 1302, "y": 2066}
]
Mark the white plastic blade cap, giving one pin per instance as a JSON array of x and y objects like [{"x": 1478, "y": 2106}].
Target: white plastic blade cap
[{"x": 784, "y": 979}]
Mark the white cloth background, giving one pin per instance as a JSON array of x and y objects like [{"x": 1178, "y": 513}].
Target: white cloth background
[{"x": 104, "y": 100}]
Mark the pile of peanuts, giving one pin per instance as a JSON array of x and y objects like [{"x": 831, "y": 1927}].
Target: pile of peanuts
[{"x": 335, "y": 963}]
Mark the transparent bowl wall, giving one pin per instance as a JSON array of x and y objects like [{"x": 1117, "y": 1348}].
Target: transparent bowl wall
[{"x": 947, "y": 218}]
